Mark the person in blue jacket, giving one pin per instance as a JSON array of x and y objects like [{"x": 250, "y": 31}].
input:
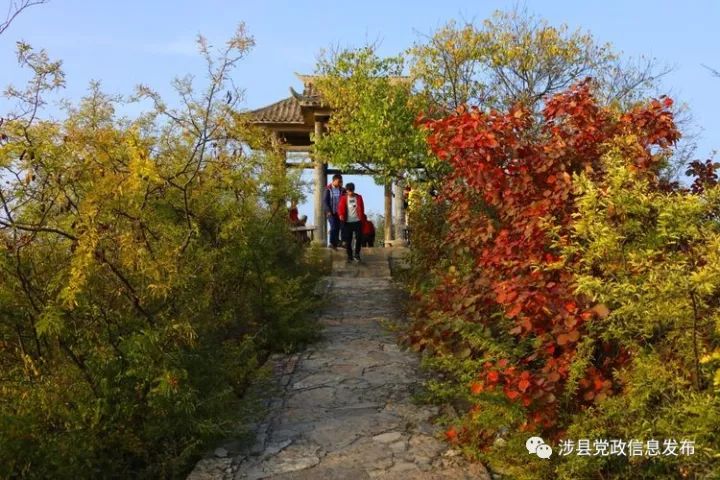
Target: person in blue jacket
[{"x": 333, "y": 192}]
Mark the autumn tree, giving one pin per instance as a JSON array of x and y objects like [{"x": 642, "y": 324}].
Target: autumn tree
[
  {"x": 146, "y": 274},
  {"x": 515, "y": 56},
  {"x": 572, "y": 288},
  {"x": 652, "y": 258}
]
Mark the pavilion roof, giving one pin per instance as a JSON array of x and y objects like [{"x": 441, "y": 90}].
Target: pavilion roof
[
  {"x": 290, "y": 110},
  {"x": 287, "y": 110}
]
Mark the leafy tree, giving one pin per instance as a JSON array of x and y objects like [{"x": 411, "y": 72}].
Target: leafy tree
[
  {"x": 146, "y": 273},
  {"x": 652, "y": 258},
  {"x": 564, "y": 277},
  {"x": 515, "y": 57},
  {"x": 374, "y": 114}
]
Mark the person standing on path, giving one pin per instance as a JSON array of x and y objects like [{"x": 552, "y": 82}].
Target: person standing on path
[
  {"x": 351, "y": 212},
  {"x": 333, "y": 193},
  {"x": 368, "y": 233}
]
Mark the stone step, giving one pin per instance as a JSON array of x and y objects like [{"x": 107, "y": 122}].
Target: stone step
[{"x": 375, "y": 263}]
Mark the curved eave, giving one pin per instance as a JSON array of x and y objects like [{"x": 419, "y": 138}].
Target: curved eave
[
  {"x": 280, "y": 125},
  {"x": 287, "y": 111}
]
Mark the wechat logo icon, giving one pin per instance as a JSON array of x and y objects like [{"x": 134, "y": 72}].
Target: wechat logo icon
[{"x": 537, "y": 446}]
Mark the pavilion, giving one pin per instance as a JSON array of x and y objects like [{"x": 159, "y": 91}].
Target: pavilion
[{"x": 294, "y": 122}]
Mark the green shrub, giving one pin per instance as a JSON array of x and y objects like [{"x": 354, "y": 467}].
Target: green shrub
[{"x": 147, "y": 272}]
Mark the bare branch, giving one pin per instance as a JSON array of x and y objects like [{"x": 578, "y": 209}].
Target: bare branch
[
  {"x": 14, "y": 9},
  {"x": 715, "y": 73}
]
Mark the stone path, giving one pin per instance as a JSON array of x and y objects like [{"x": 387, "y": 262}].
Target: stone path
[{"x": 346, "y": 410}]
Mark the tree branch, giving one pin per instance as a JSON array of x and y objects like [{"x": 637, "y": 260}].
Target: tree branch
[{"x": 14, "y": 9}]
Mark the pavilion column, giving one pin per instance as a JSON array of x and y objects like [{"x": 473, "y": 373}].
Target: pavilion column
[
  {"x": 388, "y": 230},
  {"x": 399, "y": 218},
  {"x": 320, "y": 181}
]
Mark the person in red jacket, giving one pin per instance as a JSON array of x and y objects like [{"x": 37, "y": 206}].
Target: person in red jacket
[
  {"x": 295, "y": 219},
  {"x": 351, "y": 211},
  {"x": 368, "y": 233}
]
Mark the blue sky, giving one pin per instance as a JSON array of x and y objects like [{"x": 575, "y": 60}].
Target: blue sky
[{"x": 125, "y": 43}]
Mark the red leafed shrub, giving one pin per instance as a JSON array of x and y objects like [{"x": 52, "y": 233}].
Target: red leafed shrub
[
  {"x": 705, "y": 174},
  {"x": 509, "y": 206}
]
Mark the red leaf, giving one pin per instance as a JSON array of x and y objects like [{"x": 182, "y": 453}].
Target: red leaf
[
  {"x": 514, "y": 310},
  {"x": 598, "y": 383},
  {"x": 523, "y": 385},
  {"x": 512, "y": 394}
]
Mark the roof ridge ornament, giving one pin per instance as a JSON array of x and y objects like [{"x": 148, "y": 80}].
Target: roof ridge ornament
[
  {"x": 294, "y": 93},
  {"x": 300, "y": 108}
]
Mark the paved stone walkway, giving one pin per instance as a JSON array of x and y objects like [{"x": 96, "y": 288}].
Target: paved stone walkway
[{"x": 346, "y": 410}]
